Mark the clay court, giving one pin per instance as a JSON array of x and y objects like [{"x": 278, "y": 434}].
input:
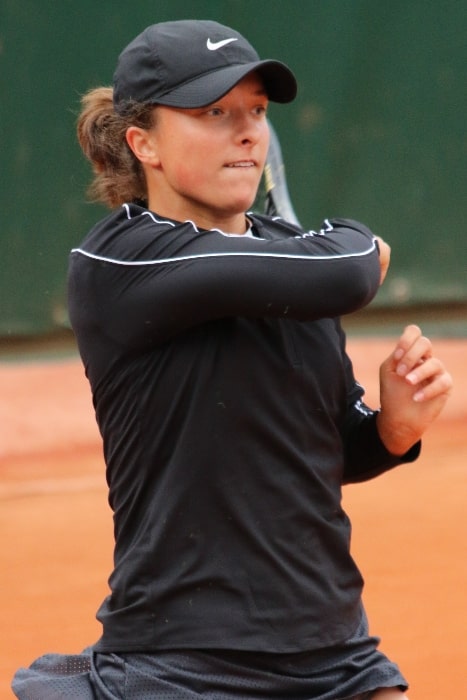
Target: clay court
[{"x": 56, "y": 528}]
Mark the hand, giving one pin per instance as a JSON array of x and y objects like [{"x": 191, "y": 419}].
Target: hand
[
  {"x": 384, "y": 257},
  {"x": 414, "y": 386}
]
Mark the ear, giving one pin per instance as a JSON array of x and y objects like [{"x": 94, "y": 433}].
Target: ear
[{"x": 143, "y": 145}]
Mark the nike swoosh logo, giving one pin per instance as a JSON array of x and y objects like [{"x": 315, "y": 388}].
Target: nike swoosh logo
[{"x": 214, "y": 45}]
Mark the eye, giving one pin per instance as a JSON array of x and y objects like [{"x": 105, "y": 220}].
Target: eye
[
  {"x": 259, "y": 110},
  {"x": 214, "y": 112}
]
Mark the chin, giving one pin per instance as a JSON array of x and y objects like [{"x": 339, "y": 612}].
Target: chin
[{"x": 244, "y": 203}]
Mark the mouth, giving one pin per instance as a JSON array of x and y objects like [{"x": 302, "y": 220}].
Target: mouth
[{"x": 241, "y": 164}]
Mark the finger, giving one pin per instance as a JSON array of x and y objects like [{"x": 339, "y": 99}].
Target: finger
[
  {"x": 410, "y": 334},
  {"x": 418, "y": 353},
  {"x": 384, "y": 257},
  {"x": 425, "y": 371},
  {"x": 439, "y": 387}
]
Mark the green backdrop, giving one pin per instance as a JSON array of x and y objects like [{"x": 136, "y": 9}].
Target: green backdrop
[{"x": 377, "y": 132}]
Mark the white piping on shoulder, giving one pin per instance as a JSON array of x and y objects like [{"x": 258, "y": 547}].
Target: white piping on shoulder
[
  {"x": 187, "y": 221},
  {"x": 151, "y": 216}
]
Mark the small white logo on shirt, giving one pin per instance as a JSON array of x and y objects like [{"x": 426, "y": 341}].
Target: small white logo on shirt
[{"x": 214, "y": 45}]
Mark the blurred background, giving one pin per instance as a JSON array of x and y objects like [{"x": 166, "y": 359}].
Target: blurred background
[{"x": 377, "y": 133}]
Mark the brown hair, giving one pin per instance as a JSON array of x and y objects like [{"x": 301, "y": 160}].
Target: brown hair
[{"x": 118, "y": 174}]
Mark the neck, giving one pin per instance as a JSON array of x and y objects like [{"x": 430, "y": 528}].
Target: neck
[{"x": 237, "y": 224}]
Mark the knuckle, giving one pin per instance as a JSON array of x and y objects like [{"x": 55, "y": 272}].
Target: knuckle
[{"x": 447, "y": 381}]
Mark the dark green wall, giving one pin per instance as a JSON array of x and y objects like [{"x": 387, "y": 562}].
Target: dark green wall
[{"x": 377, "y": 132}]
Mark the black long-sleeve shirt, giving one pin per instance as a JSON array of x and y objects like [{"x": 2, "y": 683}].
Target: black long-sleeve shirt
[{"x": 230, "y": 418}]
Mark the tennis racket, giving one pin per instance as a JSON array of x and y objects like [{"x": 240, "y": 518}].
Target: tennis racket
[{"x": 278, "y": 202}]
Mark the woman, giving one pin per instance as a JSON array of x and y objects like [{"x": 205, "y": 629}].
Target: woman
[{"x": 228, "y": 409}]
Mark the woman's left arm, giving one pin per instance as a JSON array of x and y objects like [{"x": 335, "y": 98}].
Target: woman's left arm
[{"x": 414, "y": 387}]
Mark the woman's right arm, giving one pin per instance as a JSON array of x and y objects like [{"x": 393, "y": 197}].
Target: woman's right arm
[{"x": 165, "y": 280}]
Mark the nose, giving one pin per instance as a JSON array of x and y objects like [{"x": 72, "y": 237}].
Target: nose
[{"x": 248, "y": 128}]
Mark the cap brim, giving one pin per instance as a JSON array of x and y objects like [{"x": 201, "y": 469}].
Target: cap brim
[{"x": 279, "y": 81}]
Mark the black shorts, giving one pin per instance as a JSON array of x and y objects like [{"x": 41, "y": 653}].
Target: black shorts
[{"x": 349, "y": 671}]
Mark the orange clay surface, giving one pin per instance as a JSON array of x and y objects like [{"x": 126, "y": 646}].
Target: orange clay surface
[{"x": 409, "y": 533}]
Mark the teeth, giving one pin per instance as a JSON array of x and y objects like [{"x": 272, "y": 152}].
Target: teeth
[{"x": 242, "y": 164}]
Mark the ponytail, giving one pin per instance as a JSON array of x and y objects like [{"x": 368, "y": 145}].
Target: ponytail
[{"x": 118, "y": 174}]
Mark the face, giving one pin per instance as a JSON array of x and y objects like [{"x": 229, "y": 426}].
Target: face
[{"x": 209, "y": 161}]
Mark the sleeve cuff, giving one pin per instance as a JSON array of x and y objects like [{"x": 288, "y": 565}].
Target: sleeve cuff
[{"x": 380, "y": 459}]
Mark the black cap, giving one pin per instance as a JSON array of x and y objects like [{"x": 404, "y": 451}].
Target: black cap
[{"x": 192, "y": 63}]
